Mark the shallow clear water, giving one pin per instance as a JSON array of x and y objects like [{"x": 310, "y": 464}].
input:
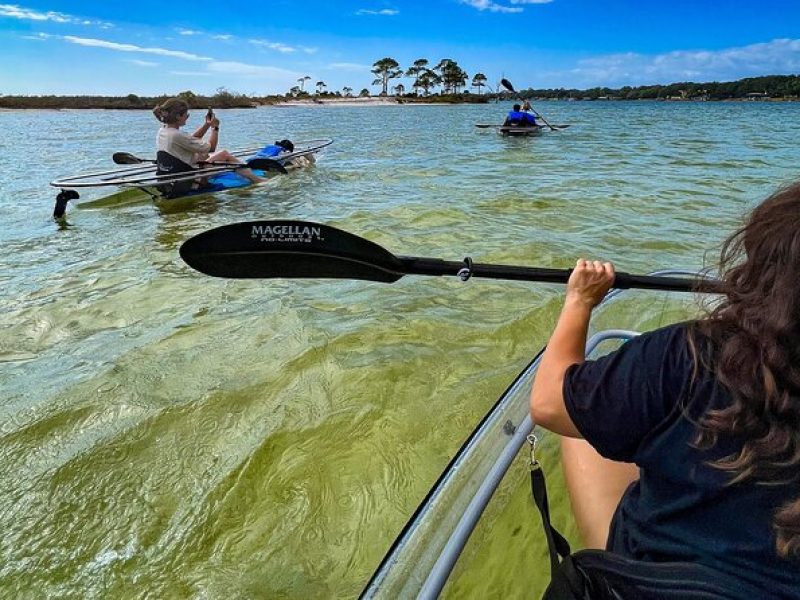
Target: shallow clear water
[{"x": 166, "y": 434}]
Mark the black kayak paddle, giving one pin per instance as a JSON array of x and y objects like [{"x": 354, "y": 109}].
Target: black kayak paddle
[
  {"x": 262, "y": 164},
  {"x": 126, "y": 158},
  {"x": 302, "y": 249}
]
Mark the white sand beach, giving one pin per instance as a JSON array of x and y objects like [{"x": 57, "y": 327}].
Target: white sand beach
[{"x": 355, "y": 101}]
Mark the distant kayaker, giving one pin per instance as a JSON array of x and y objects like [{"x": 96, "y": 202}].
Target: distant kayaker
[
  {"x": 517, "y": 118},
  {"x": 191, "y": 149},
  {"x": 683, "y": 446}
]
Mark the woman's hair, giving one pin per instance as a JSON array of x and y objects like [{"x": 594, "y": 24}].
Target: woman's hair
[
  {"x": 170, "y": 110},
  {"x": 755, "y": 344}
]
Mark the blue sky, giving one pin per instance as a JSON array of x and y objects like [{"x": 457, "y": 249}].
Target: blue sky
[{"x": 147, "y": 47}]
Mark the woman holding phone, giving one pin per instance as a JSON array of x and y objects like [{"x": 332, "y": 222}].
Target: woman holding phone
[{"x": 192, "y": 149}]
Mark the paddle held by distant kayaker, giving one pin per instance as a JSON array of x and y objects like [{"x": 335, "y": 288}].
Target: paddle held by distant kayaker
[{"x": 681, "y": 449}]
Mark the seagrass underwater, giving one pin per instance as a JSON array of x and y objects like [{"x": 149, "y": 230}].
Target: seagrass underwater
[{"x": 186, "y": 435}]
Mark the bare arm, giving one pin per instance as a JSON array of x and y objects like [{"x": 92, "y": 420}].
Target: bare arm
[
  {"x": 213, "y": 139},
  {"x": 587, "y": 286},
  {"x": 211, "y": 123},
  {"x": 201, "y": 131}
]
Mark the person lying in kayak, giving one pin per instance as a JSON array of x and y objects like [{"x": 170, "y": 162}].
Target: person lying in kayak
[
  {"x": 517, "y": 118},
  {"x": 190, "y": 150},
  {"x": 681, "y": 450},
  {"x": 285, "y": 147}
]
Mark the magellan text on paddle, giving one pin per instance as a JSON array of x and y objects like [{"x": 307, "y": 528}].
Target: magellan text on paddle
[{"x": 286, "y": 233}]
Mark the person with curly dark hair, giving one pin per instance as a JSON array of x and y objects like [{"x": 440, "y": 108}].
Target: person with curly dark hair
[{"x": 681, "y": 449}]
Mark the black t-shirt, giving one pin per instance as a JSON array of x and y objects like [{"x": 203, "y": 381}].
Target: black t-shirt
[{"x": 637, "y": 405}]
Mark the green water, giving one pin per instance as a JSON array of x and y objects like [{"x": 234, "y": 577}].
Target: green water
[{"x": 168, "y": 435}]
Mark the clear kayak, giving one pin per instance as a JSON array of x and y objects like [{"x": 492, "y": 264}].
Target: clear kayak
[
  {"x": 142, "y": 181},
  {"x": 465, "y": 538},
  {"x": 518, "y": 131}
]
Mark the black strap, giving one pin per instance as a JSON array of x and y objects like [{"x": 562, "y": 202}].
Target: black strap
[{"x": 557, "y": 545}]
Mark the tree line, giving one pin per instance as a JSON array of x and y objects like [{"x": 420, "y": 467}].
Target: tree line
[
  {"x": 446, "y": 73},
  {"x": 425, "y": 80},
  {"x": 770, "y": 86}
]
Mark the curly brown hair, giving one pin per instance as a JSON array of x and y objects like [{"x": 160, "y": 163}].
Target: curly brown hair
[
  {"x": 169, "y": 111},
  {"x": 754, "y": 335}
]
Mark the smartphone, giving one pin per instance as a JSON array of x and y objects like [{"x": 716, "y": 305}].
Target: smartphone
[{"x": 209, "y": 114}]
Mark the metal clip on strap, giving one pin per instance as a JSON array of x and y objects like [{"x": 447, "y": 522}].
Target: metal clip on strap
[
  {"x": 532, "y": 440},
  {"x": 466, "y": 271},
  {"x": 557, "y": 545}
]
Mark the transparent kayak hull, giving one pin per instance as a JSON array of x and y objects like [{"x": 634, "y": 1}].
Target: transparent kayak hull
[
  {"x": 142, "y": 182},
  {"x": 422, "y": 560}
]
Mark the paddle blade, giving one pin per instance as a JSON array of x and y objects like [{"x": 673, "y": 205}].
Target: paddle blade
[
  {"x": 507, "y": 84},
  {"x": 266, "y": 164},
  {"x": 288, "y": 249},
  {"x": 125, "y": 158}
]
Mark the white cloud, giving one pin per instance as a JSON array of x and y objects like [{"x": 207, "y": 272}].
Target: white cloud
[
  {"x": 279, "y": 46},
  {"x": 141, "y": 63},
  {"x": 95, "y": 43},
  {"x": 38, "y": 37},
  {"x": 781, "y": 56},
  {"x": 239, "y": 68},
  {"x": 268, "y": 75},
  {"x": 491, "y": 6},
  {"x": 215, "y": 36},
  {"x": 346, "y": 66},
  {"x": 386, "y": 12},
  {"x": 18, "y": 12},
  {"x": 191, "y": 73}
]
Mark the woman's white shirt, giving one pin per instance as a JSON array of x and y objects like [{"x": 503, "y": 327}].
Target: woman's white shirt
[{"x": 181, "y": 145}]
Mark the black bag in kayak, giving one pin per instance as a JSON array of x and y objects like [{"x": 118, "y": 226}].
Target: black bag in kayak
[{"x": 603, "y": 575}]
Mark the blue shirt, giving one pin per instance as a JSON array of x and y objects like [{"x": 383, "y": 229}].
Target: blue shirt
[
  {"x": 635, "y": 405},
  {"x": 521, "y": 118},
  {"x": 270, "y": 151}
]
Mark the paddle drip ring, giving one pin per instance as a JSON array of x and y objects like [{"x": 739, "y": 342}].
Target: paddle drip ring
[{"x": 466, "y": 271}]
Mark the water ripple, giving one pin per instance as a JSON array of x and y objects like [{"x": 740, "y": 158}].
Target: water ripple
[{"x": 167, "y": 434}]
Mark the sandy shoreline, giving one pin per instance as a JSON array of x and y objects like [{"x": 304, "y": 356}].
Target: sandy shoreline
[
  {"x": 394, "y": 101},
  {"x": 358, "y": 101}
]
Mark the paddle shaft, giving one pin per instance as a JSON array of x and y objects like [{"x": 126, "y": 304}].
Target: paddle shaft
[
  {"x": 433, "y": 266},
  {"x": 487, "y": 126},
  {"x": 306, "y": 250},
  {"x": 266, "y": 164}
]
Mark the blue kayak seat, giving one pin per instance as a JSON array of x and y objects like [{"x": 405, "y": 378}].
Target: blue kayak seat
[{"x": 167, "y": 164}]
